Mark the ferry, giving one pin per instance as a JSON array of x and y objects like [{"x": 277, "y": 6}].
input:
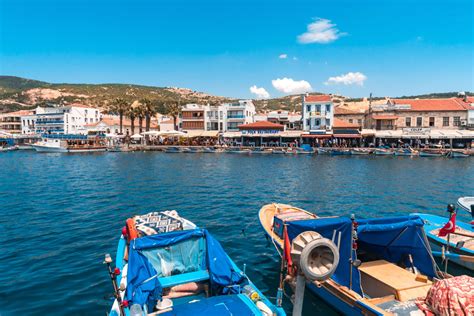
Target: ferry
[
  {"x": 166, "y": 265},
  {"x": 378, "y": 266},
  {"x": 63, "y": 143}
]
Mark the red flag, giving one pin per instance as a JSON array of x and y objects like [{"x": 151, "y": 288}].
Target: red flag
[
  {"x": 449, "y": 228},
  {"x": 287, "y": 249}
]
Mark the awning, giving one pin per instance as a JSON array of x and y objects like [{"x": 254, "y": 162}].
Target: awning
[
  {"x": 388, "y": 134},
  {"x": 347, "y": 136},
  {"x": 137, "y": 136},
  {"x": 367, "y": 132},
  {"x": 274, "y": 135},
  {"x": 316, "y": 135},
  {"x": 191, "y": 134},
  {"x": 291, "y": 134},
  {"x": 232, "y": 134},
  {"x": 210, "y": 134}
]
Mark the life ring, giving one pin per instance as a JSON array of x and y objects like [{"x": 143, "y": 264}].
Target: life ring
[{"x": 132, "y": 230}]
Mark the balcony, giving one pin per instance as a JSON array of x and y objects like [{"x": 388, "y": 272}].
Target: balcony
[
  {"x": 240, "y": 117},
  {"x": 49, "y": 122},
  {"x": 316, "y": 114}
]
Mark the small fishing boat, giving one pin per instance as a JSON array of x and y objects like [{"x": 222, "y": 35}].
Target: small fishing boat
[
  {"x": 323, "y": 151},
  {"x": 461, "y": 243},
  {"x": 9, "y": 148},
  {"x": 165, "y": 265},
  {"x": 467, "y": 204},
  {"x": 278, "y": 151},
  {"x": 406, "y": 152},
  {"x": 383, "y": 152},
  {"x": 365, "y": 267},
  {"x": 194, "y": 150},
  {"x": 360, "y": 151},
  {"x": 172, "y": 150},
  {"x": 237, "y": 150},
  {"x": 432, "y": 153},
  {"x": 340, "y": 152},
  {"x": 260, "y": 151},
  {"x": 457, "y": 154},
  {"x": 209, "y": 150}
]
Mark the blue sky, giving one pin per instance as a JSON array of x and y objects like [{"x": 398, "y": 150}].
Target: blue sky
[{"x": 225, "y": 47}]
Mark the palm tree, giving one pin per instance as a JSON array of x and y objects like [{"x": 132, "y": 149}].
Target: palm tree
[
  {"x": 173, "y": 109},
  {"x": 139, "y": 113},
  {"x": 149, "y": 110},
  {"x": 119, "y": 106},
  {"x": 131, "y": 114}
]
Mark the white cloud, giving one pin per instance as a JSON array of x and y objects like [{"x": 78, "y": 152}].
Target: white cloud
[
  {"x": 283, "y": 56},
  {"x": 321, "y": 31},
  {"x": 290, "y": 86},
  {"x": 349, "y": 78},
  {"x": 261, "y": 93}
]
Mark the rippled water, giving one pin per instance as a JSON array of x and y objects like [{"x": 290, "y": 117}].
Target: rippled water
[{"x": 61, "y": 212}]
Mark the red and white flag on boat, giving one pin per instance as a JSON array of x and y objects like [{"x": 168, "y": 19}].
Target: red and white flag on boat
[
  {"x": 449, "y": 228},
  {"x": 287, "y": 250}
]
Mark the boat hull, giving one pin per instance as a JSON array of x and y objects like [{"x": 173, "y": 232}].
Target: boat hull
[{"x": 49, "y": 149}]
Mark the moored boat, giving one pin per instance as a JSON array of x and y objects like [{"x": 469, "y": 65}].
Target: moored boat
[
  {"x": 461, "y": 242},
  {"x": 340, "y": 152},
  {"x": 432, "y": 153},
  {"x": 406, "y": 152},
  {"x": 457, "y": 154},
  {"x": 172, "y": 150},
  {"x": 360, "y": 151},
  {"x": 382, "y": 269},
  {"x": 260, "y": 151},
  {"x": 466, "y": 203},
  {"x": 383, "y": 152},
  {"x": 278, "y": 151},
  {"x": 69, "y": 144},
  {"x": 323, "y": 151},
  {"x": 237, "y": 150},
  {"x": 165, "y": 265}
]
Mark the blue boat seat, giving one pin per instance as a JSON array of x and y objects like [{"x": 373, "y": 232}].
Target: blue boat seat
[{"x": 178, "y": 279}]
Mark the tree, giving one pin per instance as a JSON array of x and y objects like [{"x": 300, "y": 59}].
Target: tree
[
  {"x": 149, "y": 109},
  {"x": 119, "y": 106},
  {"x": 139, "y": 113},
  {"x": 173, "y": 109},
  {"x": 131, "y": 114}
]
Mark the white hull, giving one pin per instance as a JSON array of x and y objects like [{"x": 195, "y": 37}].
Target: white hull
[{"x": 49, "y": 149}]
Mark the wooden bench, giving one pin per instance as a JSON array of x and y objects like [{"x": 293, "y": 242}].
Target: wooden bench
[{"x": 381, "y": 278}]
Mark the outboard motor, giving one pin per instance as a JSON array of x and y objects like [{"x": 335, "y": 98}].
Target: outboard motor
[{"x": 316, "y": 259}]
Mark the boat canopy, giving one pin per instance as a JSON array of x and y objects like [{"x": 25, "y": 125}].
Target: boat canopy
[
  {"x": 177, "y": 253},
  {"x": 391, "y": 239},
  {"x": 394, "y": 238},
  {"x": 326, "y": 227}
]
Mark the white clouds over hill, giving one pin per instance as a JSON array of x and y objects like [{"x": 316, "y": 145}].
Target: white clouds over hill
[
  {"x": 349, "y": 78},
  {"x": 261, "y": 93},
  {"x": 290, "y": 86},
  {"x": 321, "y": 31}
]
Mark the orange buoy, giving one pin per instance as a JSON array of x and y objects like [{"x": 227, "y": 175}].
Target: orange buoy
[{"x": 132, "y": 231}]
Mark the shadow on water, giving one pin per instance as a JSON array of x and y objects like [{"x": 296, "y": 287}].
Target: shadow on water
[{"x": 61, "y": 213}]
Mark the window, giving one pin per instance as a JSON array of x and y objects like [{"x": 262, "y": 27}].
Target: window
[
  {"x": 328, "y": 122},
  {"x": 419, "y": 121},
  {"x": 432, "y": 121},
  {"x": 318, "y": 108},
  {"x": 408, "y": 121},
  {"x": 457, "y": 121},
  {"x": 445, "y": 120},
  {"x": 328, "y": 107},
  {"x": 351, "y": 120},
  {"x": 317, "y": 122},
  {"x": 308, "y": 108},
  {"x": 359, "y": 121},
  {"x": 308, "y": 122}
]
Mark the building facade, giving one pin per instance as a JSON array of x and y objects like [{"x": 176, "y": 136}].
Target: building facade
[
  {"x": 192, "y": 117},
  {"x": 71, "y": 119},
  {"x": 317, "y": 114},
  {"x": 11, "y": 122},
  {"x": 349, "y": 116}
]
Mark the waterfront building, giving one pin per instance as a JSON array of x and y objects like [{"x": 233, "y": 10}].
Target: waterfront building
[
  {"x": 11, "y": 122},
  {"x": 222, "y": 118},
  {"x": 261, "y": 133},
  {"x": 70, "y": 119},
  {"x": 292, "y": 121},
  {"x": 110, "y": 125},
  {"x": 318, "y": 114},
  {"x": 349, "y": 116}
]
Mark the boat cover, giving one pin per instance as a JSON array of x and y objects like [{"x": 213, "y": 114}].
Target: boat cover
[
  {"x": 143, "y": 280},
  {"x": 326, "y": 227},
  {"x": 394, "y": 238},
  {"x": 217, "y": 306}
]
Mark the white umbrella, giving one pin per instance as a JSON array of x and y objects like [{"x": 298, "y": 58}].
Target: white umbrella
[{"x": 137, "y": 136}]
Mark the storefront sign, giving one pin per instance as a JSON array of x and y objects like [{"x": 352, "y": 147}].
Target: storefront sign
[{"x": 416, "y": 130}]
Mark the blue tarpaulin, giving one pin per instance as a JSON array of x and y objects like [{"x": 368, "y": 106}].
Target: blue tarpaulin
[
  {"x": 326, "y": 227},
  {"x": 392, "y": 239},
  {"x": 143, "y": 280}
]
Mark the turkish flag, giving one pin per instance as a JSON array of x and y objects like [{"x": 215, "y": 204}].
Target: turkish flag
[
  {"x": 287, "y": 250},
  {"x": 449, "y": 228}
]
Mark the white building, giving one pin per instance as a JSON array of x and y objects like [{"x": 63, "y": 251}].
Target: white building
[
  {"x": 318, "y": 113},
  {"x": 228, "y": 116},
  {"x": 71, "y": 119}
]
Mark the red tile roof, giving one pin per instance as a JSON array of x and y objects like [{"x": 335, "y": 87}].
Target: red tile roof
[
  {"x": 338, "y": 123},
  {"x": 317, "y": 98},
  {"x": 432, "y": 105},
  {"x": 18, "y": 113},
  {"x": 261, "y": 125},
  {"x": 342, "y": 111}
]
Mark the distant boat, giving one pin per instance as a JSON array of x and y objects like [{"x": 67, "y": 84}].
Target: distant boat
[
  {"x": 383, "y": 152},
  {"x": 432, "y": 153},
  {"x": 463, "y": 253},
  {"x": 69, "y": 144},
  {"x": 382, "y": 272},
  {"x": 323, "y": 151},
  {"x": 406, "y": 152},
  {"x": 260, "y": 151},
  {"x": 172, "y": 150},
  {"x": 457, "y": 154},
  {"x": 360, "y": 151},
  {"x": 340, "y": 152},
  {"x": 278, "y": 151},
  {"x": 237, "y": 150},
  {"x": 165, "y": 265},
  {"x": 209, "y": 150},
  {"x": 9, "y": 148}
]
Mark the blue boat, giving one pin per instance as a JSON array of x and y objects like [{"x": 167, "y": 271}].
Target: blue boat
[
  {"x": 172, "y": 150},
  {"x": 166, "y": 265},
  {"x": 461, "y": 247},
  {"x": 364, "y": 267}
]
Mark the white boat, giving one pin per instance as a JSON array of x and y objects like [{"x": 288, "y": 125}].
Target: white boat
[
  {"x": 383, "y": 152},
  {"x": 65, "y": 144},
  {"x": 466, "y": 203}
]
